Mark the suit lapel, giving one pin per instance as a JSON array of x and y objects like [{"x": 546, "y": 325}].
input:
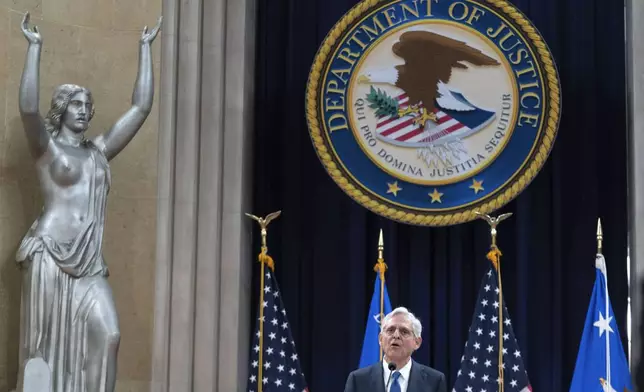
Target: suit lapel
[
  {"x": 416, "y": 378},
  {"x": 377, "y": 378}
]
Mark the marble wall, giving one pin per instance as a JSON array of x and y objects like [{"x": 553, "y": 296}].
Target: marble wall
[{"x": 92, "y": 43}]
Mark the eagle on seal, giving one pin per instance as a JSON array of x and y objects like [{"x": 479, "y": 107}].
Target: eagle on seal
[{"x": 429, "y": 60}]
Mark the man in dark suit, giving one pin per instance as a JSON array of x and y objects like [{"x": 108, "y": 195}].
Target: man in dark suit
[{"x": 399, "y": 337}]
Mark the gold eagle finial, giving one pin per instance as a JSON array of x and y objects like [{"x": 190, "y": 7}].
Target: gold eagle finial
[
  {"x": 493, "y": 222},
  {"x": 263, "y": 223}
]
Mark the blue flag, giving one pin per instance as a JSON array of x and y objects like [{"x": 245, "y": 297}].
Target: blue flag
[
  {"x": 595, "y": 370},
  {"x": 370, "y": 347}
]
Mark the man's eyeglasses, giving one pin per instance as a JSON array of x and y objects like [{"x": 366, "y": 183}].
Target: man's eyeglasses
[{"x": 404, "y": 332}]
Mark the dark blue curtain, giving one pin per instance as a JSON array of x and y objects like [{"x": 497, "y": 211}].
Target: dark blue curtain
[{"x": 324, "y": 244}]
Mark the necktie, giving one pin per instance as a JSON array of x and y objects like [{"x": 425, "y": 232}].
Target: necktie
[{"x": 395, "y": 387}]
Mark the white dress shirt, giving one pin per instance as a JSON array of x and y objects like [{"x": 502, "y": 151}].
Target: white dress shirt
[{"x": 403, "y": 380}]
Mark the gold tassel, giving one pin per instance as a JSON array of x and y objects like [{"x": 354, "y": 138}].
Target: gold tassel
[
  {"x": 380, "y": 268},
  {"x": 267, "y": 260},
  {"x": 494, "y": 255}
]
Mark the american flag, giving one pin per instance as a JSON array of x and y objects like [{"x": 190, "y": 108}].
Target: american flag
[
  {"x": 278, "y": 368},
  {"x": 404, "y": 131},
  {"x": 479, "y": 370}
]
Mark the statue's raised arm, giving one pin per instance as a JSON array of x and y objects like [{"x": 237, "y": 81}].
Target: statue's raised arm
[
  {"x": 114, "y": 140},
  {"x": 37, "y": 135}
]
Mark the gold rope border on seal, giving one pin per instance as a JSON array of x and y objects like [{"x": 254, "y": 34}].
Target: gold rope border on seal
[{"x": 498, "y": 201}]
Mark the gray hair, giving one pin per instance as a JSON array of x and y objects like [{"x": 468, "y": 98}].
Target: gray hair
[{"x": 415, "y": 323}]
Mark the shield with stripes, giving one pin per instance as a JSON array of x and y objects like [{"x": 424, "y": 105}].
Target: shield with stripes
[{"x": 451, "y": 125}]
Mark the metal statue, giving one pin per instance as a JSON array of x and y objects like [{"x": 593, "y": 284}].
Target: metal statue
[{"x": 69, "y": 317}]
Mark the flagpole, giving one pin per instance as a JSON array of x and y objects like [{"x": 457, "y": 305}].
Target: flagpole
[
  {"x": 380, "y": 268},
  {"x": 494, "y": 255},
  {"x": 600, "y": 238},
  {"x": 264, "y": 259}
]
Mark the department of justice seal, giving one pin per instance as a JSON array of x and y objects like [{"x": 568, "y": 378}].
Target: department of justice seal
[{"x": 425, "y": 111}]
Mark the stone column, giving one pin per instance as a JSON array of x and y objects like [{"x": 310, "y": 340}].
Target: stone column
[
  {"x": 635, "y": 87},
  {"x": 204, "y": 258}
]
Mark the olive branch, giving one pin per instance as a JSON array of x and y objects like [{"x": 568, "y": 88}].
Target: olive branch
[{"x": 384, "y": 104}]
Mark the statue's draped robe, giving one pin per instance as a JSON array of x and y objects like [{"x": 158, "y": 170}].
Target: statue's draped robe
[{"x": 59, "y": 288}]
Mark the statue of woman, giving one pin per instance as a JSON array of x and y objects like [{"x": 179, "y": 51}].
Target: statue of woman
[{"x": 69, "y": 317}]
